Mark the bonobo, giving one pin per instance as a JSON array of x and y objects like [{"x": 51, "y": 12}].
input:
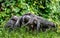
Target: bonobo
[
  {"x": 25, "y": 18},
  {"x": 40, "y": 22},
  {"x": 30, "y": 20},
  {"x": 11, "y": 22}
]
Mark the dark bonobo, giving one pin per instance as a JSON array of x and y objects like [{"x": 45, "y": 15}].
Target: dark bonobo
[
  {"x": 11, "y": 22},
  {"x": 25, "y": 18},
  {"x": 40, "y": 23},
  {"x": 30, "y": 20}
]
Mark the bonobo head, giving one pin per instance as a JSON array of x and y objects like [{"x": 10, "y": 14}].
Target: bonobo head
[{"x": 26, "y": 18}]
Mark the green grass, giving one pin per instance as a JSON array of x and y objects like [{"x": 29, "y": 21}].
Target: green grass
[{"x": 22, "y": 33}]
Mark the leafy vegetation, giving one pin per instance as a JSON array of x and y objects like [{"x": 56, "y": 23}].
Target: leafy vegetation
[{"x": 49, "y": 9}]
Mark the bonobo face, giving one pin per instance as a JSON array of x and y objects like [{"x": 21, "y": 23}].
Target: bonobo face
[{"x": 26, "y": 18}]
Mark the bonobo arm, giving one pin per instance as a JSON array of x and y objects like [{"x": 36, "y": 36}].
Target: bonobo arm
[
  {"x": 18, "y": 22},
  {"x": 38, "y": 25},
  {"x": 28, "y": 22}
]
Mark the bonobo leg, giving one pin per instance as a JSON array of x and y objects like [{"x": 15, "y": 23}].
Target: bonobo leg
[
  {"x": 18, "y": 24},
  {"x": 38, "y": 25}
]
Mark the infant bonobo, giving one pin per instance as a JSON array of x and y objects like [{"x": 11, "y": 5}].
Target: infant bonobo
[
  {"x": 31, "y": 21},
  {"x": 11, "y": 23}
]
